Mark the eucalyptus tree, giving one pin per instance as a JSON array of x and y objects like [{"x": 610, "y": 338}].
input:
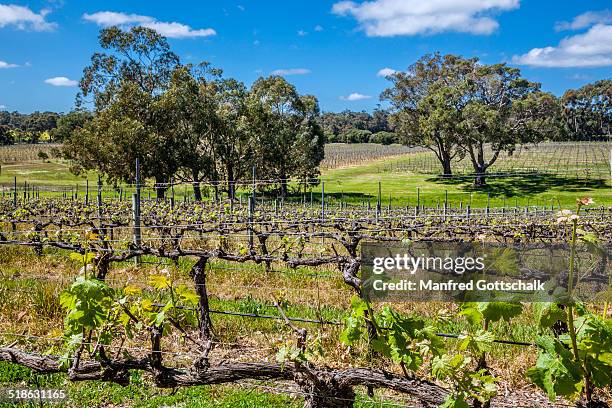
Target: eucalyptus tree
[
  {"x": 308, "y": 149},
  {"x": 187, "y": 111},
  {"x": 426, "y": 104},
  {"x": 124, "y": 84},
  {"x": 68, "y": 123},
  {"x": 6, "y": 138},
  {"x": 283, "y": 125},
  {"x": 588, "y": 110},
  {"x": 502, "y": 111},
  {"x": 232, "y": 143},
  {"x": 459, "y": 107}
]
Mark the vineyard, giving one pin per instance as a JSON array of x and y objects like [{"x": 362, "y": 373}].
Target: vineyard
[
  {"x": 585, "y": 160},
  {"x": 241, "y": 221},
  {"x": 341, "y": 155},
  {"x": 266, "y": 294},
  {"x": 26, "y": 153}
]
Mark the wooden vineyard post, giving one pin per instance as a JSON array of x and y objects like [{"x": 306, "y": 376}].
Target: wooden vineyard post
[
  {"x": 171, "y": 194},
  {"x": 136, "y": 211},
  {"x": 87, "y": 192},
  {"x": 15, "y": 192},
  {"x": 100, "y": 198},
  {"x": 378, "y": 203},
  {"x": 232, "y": 196},
  {"x": 445, "y": 203},
  {"x": 322, "y": 201},
  {"x": 418, "y": 206},
  {"x": 251, "y": 208}
]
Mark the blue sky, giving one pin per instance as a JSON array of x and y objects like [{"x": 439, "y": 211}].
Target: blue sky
[{"x": 332, "y": 49}]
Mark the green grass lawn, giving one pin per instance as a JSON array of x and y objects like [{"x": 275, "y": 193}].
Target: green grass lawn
[
  {"x": 359, "y": 184},
  {"x": 48, "y": 173}
]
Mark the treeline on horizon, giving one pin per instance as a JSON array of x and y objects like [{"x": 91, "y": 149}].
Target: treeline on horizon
[{"x": 584, "y": 111}]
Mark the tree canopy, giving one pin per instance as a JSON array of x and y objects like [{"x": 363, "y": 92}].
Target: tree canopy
[
  {"x": 188, "y": 122},
  {"x": 588, "y": 110},
  {"x": 456, "y": 107}
]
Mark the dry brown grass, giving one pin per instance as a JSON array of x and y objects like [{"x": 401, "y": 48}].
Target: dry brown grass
[{"x": 30, "y": 287}]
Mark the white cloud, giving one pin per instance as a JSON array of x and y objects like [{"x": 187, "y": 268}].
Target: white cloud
[
  {"x": 61, "y": 81},
  {"x": 4, "y": 64},
  {"x": 302, "y": 33},
  {"x": 318, "y": 28},
  {"x": 590, "y": 49},
  {"x": 355, "y": 96},
  {"x": 385, "y": 72},
  {"x": 2, "y": 107},
  {"x": 178, "y": 30},
  {"x": 386, "y": 18},
  {"x": 24, "y": 18},
  {"x": 111, "y": 18},
  {"x": 585, "y": 20},
  {"x": 170, "y": 30},
  {"x": 291, "y": 71}
]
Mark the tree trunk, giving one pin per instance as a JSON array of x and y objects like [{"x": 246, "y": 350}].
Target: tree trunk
[
  {"x": 230, "y": 181},
  {"x": 480, "y": 166},
  {"x": 160, "y": 191},
  {"x": 283, "y": 185},
  {"x": 197, "y": 191},
  {"x": 216, "y": 191},
  {"x": 480, "y": 180},
  {"x": 446, "y": 166}
]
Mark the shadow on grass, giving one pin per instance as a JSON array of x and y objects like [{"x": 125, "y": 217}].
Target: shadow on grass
[{"x": 524, "y": 184}]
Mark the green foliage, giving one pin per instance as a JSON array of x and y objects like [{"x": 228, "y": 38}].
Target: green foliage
[
  {"x": 581, "y": 358},
  {"x": 408, "y": 341},
  {"x": 187, "y": 121},
  {"x": 384, "y": 138},
  {"x": 454, "y": 106},
  {"x": 6, "y": 137},
  {"x": 478, "y": 343},
  {"x": 466, "y": 384},
  {"x": 334, "y": 124},
  {"x": 354, "y": 324},
  {"x": 490, "y": 312},
  {"x": 68, "y": 123},
  {"x": 549, "y": 313},
  {"x": 355, "y": 136},
  {"x": 88, "y": 302},
  {"x": 555, "y": 371},
  {"x": 97, "y": 314},
  {"x": 405, "y": 340},
  {"x": 587, "y": 110},
  {"x": 594, "y": 337}
]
